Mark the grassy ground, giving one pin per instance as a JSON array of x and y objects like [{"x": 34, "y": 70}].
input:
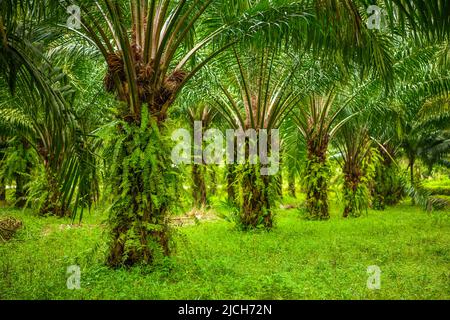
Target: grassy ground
[
  {"x": 298, "y": 260},
  {"x": 438, "y": 186}
]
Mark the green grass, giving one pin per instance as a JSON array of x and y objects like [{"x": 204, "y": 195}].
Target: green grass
[
  {"x": 438, "y": 186},
  {"x": 299, "y": 259},
  {"x": 441, "y": 181}
]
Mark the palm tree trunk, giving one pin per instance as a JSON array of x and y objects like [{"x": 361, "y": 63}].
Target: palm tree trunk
[
  {"x": 317, "y": 175},
  {"x": 142, "y": 193},
  {"x": 256, "y": 206},
  {"x": 213, "y": 187},
  {"x": 2, "y": 190},
  {"x": 22, "y": 178},
  {"x": 53, "y": 203},
  {"x": 231, "y": 180},
  {"x": 411, "y": 172},
  {"x": 387, "y": 188},
  {"x": 198, "y": 185},
  {"x": 20, "y": 191},
  {"x": 351, "y": 185},
  {"x": 279, "y": 182},
  {"x": 291, "y": 184},
  {"x": 2, "y": 180}
]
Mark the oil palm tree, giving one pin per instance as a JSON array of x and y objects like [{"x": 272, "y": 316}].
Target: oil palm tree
[
  {"x": 356, "y": 159},
  {"x": 408, "y": 118},
  {"x": 39, "y": 110},
  {"x": 147, "y": 46},
  {"x": 256, "y": 96},
  {"x": 294, "y": 153},
  {"x": 420, "y": 106},
  {"x": 205, "y": 115},
  {"x": 317, "y": 119},
  {"x": 65, "y": 155},
  {"x": 436, "y": 149}
]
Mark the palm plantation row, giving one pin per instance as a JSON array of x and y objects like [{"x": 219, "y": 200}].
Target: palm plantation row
[{"x": 88, "y": 113}]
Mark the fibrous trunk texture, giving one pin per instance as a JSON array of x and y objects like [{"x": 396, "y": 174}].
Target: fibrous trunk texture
[
  {"x": 317, "y": 175},
  {"x": 53, "y": 202},
  {"x": 387, "y": 189},
  {"x": 213, "y": 177},
  {"x": 255, "y": 208},
  {"x": 20, "y": 193},
  {"x": 291, "y": 185},
  {"x": 142, "y": 188},
  {"x": 198, "y": 185},
  {"x": 231, "y": 184},
  {"x": 351, "y": 187}
]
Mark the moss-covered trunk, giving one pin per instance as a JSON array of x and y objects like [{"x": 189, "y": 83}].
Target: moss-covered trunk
[
  {"x": 412, "y": 161},
  {"x": 291, "y": 185},
  {"x": 198, "y": 185},
  {"x": 142, "y": 187},
  {"x": 316, "y": 179},
  {"x": 387, "y": 188},
  {"x": 53, "y": 201},
  {"x": 213, "y": 184},
  {"x": 279, "y": 183},
  {"x": 231, "y": 183},
  {"x": 255, "y": 207},
  {"x": 351, "y": 197}
]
